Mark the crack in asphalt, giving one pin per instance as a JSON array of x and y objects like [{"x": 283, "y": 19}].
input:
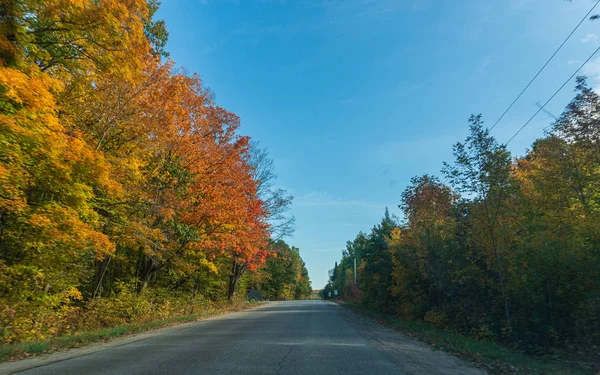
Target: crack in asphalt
[{"x": 282, "y": 360}]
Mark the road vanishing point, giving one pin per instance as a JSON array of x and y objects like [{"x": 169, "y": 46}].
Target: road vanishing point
[{"x": 291, "y": 337}]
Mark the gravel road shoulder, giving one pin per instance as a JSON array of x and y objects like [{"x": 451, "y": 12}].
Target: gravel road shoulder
[{"x": 412, "y": 356}]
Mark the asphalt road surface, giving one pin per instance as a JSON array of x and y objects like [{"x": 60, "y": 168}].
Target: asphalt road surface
[{"x": 295, "y": 337}]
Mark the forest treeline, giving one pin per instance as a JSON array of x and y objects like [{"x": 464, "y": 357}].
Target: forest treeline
[
  {"x": 126, "y": 193},
  {"x": 506, "y": 249},
  {"x": 283, "y": 276}
]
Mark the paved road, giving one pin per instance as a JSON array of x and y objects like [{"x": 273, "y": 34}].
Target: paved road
[{"x": 295, "y": 337}]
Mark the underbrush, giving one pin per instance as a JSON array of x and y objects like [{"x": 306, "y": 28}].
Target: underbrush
[
  {"x": 493, "y": 357},
  {"x": 39, "y": 326},
  {"x": 85, "y": 337}
]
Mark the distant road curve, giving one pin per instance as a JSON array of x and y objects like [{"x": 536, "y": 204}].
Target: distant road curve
[{"x": 293, "y": 337}]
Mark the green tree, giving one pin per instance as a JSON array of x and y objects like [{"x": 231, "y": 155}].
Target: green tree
[
  {"x": 482, "y": 169},
  {"x": 284, "y": 275},
  {"x": 377, "y": 272}
]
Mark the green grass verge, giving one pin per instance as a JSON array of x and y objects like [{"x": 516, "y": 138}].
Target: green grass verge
[
  {"x": 27, "y": 349},
  {"x": 493, "y": 357}
]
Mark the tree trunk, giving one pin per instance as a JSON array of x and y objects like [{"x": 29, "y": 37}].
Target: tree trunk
[
  {"x": 491, "y": 226},
  {"x": 147, "y": 274},
  {"x": 237, "y": 270},
  {"x": 501, "y": 280},
  {"x": 102, "y": 270}
]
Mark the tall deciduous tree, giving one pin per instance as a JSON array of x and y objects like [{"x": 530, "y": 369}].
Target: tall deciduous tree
[
  {"x": 121, "y": 181},
  {"x": 482, "y": 170}
]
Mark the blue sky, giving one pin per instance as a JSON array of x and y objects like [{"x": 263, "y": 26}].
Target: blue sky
[{"x": 354, "y": 97}]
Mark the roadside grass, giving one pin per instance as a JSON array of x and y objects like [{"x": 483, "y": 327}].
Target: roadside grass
[
  {"x": 10, "y": 352},
  {"x": 490, "y": 356}
]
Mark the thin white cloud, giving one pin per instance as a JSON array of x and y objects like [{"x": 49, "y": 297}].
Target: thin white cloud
[
  {"x": 485, "y": 62},
  {"x": 320, "y": 199},
  {"x": 571, "y": 62},
  {"x": 592, "y": 70},
  {"x": 590, "y": 37}
]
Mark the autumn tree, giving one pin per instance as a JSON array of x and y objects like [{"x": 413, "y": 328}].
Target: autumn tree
[
  {"x": 510, "y": 254},
  {"x": 559, "y": 208},
  {"x": 126, "y": 193},
  {"x": 482, "y": 170},
  {"x": 422, "y": 246},
  {"x": 49, "y": 230},
  {"x": 276, "y": 204},
  {"x": 277, "y": 200}
]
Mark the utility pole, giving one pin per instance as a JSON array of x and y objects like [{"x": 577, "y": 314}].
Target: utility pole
[{"x": 355, "y": 270}]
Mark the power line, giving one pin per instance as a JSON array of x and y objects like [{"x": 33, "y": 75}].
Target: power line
[
  {"x": 544, "y": 66},
  {"x": 550, "y": 114},
  {"x": 553, "y": 95}
]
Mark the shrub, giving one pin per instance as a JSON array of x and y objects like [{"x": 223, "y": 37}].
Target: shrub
[{"x": 437, "y": 318}]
